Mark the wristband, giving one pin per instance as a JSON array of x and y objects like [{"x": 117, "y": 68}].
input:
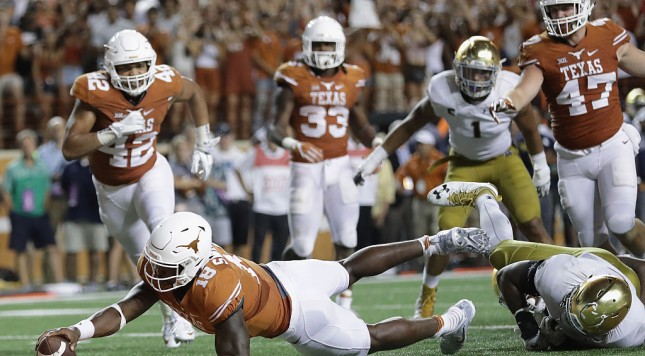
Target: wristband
[
  {"x": 202, "y": 134},
  {"x": 527, "y": 324},
  {"x": 538, "y": 159},
  {"x": 86, "y": 328},
  {"x": 106, "y": 136},
  {"x": 290, "y": 143},
  {"x": 118, "y": 309}
]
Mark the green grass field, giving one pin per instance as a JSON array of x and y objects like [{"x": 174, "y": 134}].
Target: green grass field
[{"x": 491, "y": 333}]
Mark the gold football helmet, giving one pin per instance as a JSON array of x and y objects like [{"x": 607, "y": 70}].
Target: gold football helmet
[
  {"x": 598, "y": 305},
  {"x": 476, "y": 64}
]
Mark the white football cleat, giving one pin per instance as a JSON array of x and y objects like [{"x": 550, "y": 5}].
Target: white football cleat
[
  {"x": 452, "y": 342},
  {"x": 461, "y": 240},
  {"x": 169, "y": 335},
  {"x": 177, "y": 330},
  {"x": 183, "y": 330},
  {"x": 460, "y": 193}
]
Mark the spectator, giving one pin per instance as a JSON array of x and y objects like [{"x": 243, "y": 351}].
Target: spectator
[
  {"x": 267, "y": 56},
  {"x": 10, "y": 82},
  {"x": 267, "y": 165},
  {"x": 82, "y": 227},
  {"x": 26, "y": 191},
  {"x": 51, "y": 156},
  {"x": 227, "y": 156},
  {"x": 47, "y": 75},
  {"x": 208, "y": 60},
  {"x": 239, "y": 88}
]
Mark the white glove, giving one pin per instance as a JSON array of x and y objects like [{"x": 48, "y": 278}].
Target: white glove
[
  {"x": 306, "y": 150},
  {"x": 203, "y": 156},
  {"x": 132, "y": 123},
  {"x": 503, "y": 104},
  {"x": 634, "y": 136},
  {"x": 541, "y": 174},
  {"x": 370, "y": 164}
]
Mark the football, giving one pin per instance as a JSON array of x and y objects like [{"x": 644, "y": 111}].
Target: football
[{"x": 54, "y": 346}]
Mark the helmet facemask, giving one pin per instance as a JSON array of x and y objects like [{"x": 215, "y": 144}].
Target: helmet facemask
[
  {"x": 476, "y": 66},
  {"x": 565, "y": 26},
  {"x": 177, "y": 250},
  {"x": 128, "y": 47},
  {"x": 598, "y": 305},
  {"x": 323, "y": 29}
]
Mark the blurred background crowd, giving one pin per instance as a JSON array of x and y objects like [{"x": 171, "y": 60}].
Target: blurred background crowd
[{"x": 232, "y": 48}]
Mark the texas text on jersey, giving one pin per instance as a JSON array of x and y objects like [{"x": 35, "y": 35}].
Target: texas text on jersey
[
  {"x": 129, "y": 157},
  {"x": 322, "y": 105},
  {"x": 225, "y": 284},
  {"x": 580, "y": 83}
]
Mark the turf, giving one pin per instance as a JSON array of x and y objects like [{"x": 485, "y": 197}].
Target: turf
[{"x": 491, "y": 333}]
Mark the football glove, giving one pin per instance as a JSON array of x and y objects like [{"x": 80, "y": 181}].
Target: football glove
[
  {"x": 310, "y": 152},
  {"x": 132, "y": 123},
  {"x": 503, "y": 104},
  {"x": 369, "y": 166},
  {"x": 203, "y": 157},
  {"x": 541, "y": 174}
]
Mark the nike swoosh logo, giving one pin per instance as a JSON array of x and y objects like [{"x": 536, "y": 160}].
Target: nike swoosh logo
[
  {"x": 145, "y": 113},
  {"x": 625, "y": 142},
  {"x": 591, "y": 53},
  {"x": 339, "y": 86}
]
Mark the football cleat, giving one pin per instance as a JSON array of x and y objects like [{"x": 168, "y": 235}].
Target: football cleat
[
  {"x": 177, "y": 330},
  {"x": 169, "y": 335},
  {"x": 461, "y": 240},
  {"x": 452, "y": 342},
  {"x": 461, "y": 193},
  {"x": 425, "y": 302}
]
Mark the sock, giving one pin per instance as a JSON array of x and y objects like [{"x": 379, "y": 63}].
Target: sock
[
  {"x": 450, "y": 321},
  {"x": 425, "y": 244},
  {"x": 430, "y": 281}
]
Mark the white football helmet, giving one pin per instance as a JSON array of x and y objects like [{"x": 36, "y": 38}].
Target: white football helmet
[
  {"x": 476, "y": 64},
  {"x": 565, "y": 26},
  {"x": 598, "y": 305},
  {"x": 323, "y": 29},
  {"x": 125, "y": 47},
  {"x": 177, "y": 249}
]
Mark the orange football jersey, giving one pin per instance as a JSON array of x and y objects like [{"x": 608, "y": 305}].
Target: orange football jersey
[
  {"x": 580, "y": 83},
  {"x": 225, "y": 284},
  {"x": 322, "y": 105},
  {"x": 130, "y": 157}
]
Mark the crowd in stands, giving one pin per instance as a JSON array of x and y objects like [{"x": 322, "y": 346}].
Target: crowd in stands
[{"x": 231, "y": 49}]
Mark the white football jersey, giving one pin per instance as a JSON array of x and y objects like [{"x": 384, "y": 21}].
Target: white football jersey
[
  {"x": 473, "y": 131},
  {"x": 558, "y": 275}
]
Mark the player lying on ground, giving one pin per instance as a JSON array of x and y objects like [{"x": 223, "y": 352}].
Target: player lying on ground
[
  {"x": 236, "y": 299},
  {"x": 593, "y": 298}
]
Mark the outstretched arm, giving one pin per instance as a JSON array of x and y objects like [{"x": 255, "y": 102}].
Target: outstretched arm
[
  {"x": 526, "y": 122},
  {"x": 524, "y": 91},
  {"x": 631, "y": 60},
  {"x": 109, "y": 320},
  {"x": 421, "y": 114},
  {"x": 232, "y": 337},
  {"x": 360, "y": 125}
]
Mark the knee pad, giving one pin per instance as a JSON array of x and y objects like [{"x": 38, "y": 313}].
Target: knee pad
[{"x": 620, "y": 223}]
